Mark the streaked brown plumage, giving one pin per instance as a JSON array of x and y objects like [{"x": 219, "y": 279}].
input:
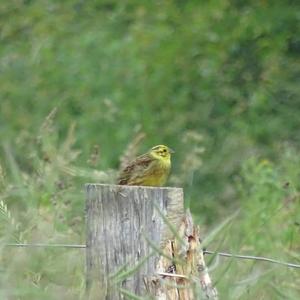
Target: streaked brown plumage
[{"x": 150, "y": 169}]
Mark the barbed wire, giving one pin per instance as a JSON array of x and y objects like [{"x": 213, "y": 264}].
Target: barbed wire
[
  {"x": 251, "y": 257},
  {"x": 41, "y": 245},
  {"x": 224, "y": 254}
]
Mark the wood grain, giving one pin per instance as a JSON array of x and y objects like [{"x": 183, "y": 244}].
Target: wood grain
[
  {"x": 120, "y": 220},
  {"x": 140, "y": 240}
]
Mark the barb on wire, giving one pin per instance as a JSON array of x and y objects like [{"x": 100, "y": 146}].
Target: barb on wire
[
  {"x": 250, "y": 257},
  {"x": 224, "y": 254}
]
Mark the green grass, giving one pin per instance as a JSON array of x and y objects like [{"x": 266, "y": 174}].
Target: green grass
[
  {"x": 46, "y": 205},
  {"x": 266, "y": 226},
  {"x": 85, "y": 83}
]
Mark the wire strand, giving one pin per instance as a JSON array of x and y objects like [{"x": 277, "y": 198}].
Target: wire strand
[
  {"x": 250, "y": 257},
  {"x": 224, "y": 254},
  {"x": 41, "y": 245}
]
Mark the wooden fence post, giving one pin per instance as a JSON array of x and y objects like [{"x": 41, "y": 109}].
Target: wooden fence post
[{"x": 141, "y": 241}]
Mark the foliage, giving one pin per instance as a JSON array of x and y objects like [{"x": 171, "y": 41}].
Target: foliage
[
  {"x": 267, "y": 225},
  {"x": 215, "y": 80}
]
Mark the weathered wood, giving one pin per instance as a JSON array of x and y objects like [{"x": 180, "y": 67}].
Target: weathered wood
[
  {"x": 190, "y": 280},
  {"x": 127, "y": 225}
]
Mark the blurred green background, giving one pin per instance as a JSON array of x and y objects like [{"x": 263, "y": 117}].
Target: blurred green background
[{"x": 83, "y": 83}]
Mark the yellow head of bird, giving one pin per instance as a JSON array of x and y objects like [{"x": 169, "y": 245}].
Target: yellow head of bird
[{"x": 161, "y": 151}]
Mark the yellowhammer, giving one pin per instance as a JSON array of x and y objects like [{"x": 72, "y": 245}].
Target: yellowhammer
[{"x": 151, "y": 168}]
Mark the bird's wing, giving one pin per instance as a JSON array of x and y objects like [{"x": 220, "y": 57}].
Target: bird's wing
[{"x": 136, "y": 167}]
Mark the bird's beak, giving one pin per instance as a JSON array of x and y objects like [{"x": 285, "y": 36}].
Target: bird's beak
[{"x": 171, "y": 150}]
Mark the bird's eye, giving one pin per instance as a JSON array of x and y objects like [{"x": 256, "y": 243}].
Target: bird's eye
[{"x": 165, "y": 150}]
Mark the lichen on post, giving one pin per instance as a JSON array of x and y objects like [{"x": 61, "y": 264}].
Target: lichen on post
[{"x": 141, "y": 241}]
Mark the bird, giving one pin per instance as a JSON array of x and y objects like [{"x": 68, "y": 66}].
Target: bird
[{"x": 149, "y": 169}]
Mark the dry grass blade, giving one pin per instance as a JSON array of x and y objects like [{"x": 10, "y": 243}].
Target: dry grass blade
[
  {"x": 6, "y": 217},
  {"x": 47, "y": 124},
  {"x": 131, "y": 150}
]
